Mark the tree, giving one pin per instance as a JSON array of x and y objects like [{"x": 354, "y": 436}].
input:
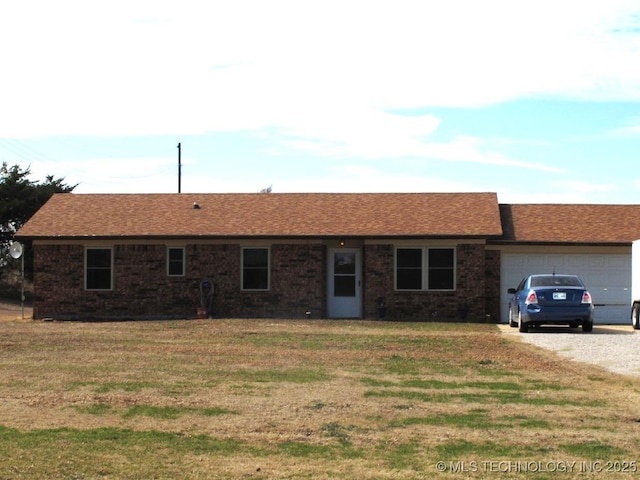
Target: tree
[{"x": 20, "y": 198}]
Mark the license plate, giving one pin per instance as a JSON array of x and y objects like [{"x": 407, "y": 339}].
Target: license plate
[{"x": 559, "y": 295}]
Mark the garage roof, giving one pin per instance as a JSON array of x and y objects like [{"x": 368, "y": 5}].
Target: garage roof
[
  {"x": 266, "y": 215},
  {"x": 573, "y": 223}
]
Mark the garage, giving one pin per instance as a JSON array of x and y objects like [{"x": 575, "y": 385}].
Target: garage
[{"x": 606, "y": 274}]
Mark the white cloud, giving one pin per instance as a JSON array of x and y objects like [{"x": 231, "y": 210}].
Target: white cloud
[
  {"x": 358, "y": 178},
  {"x": 631, "y": 130},
  {"x": 319, "y": 77},
  {"x": 399, "y": 143},
  {"x": 367, "y": 133},
  {"x": 139, "y": 67},
  {"x": 562, "y": 191},
  {"x": 160, "y": 175}
]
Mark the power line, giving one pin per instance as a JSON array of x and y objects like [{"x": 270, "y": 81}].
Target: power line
[{"x": 23, "y": 151}]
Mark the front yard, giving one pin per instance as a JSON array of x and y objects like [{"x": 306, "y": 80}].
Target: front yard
[{"x": 303, "y": 399}]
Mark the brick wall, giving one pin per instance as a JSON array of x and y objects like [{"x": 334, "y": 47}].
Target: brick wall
[
  {"x": 467, "y": 302},
  {"x": 142, "y": 288},
  {"x": 58, "y": 279},
  {"x": 492, "y": 285},
  {"x": 298, "y": 284},
  {"x": 378, "y": 280}
]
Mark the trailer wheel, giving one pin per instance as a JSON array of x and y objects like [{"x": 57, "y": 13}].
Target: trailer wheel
[{"x": 635, "y": 316}]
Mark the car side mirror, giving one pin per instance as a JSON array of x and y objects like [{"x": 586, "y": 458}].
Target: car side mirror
[{"x": 511, "y": 291}]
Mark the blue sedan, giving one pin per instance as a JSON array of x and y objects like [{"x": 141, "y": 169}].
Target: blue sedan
[{"x": 551, "y": 300}]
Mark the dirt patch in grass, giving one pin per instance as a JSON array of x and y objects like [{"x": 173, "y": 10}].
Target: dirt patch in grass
[
  {"x": 14, "y": 310},
  {"x": 297, "y": 399}
]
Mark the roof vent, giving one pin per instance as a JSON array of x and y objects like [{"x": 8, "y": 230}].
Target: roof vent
[{"x": 196, "y": 206}]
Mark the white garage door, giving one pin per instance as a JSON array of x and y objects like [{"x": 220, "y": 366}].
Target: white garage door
[{"x": 608, "y": 279}]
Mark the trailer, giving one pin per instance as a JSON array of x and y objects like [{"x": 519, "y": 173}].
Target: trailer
[{"x": 635, "y": 284}]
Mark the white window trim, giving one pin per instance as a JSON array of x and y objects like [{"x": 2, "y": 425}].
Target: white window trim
[
  {"x": 255, "y": 247},
  {"x": 184, "y": 261},
  {"x": 425, "y": 268},
  {"x": 111, "y": 272}
]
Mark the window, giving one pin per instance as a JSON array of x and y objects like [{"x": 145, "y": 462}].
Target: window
[
  {"x": 98, "y": 269},
  {"x": 409, "y": 269},
  {"x": 422, "y": 268},
  {"x": 175, "y": 261},
  {"x": 344, "y": 274},
  {"x": 255, "y": 268},
  {"x": 441, "y": 269}
]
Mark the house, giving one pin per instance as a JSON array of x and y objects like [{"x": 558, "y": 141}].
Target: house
[{"x": 417, "y": 256}]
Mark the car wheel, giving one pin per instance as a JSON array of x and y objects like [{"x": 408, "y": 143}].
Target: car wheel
[
  {"x": 521, "y": 325},
  {"x": 635, "y": 316},
  {"x": 587, "y": 326},
  {"x": 511, "y": 322}
]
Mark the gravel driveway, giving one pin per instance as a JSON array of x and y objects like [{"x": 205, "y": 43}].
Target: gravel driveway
[{"x": 614, "y": 347}]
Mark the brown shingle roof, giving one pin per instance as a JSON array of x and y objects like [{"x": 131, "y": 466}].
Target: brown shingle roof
[
  {"x": 576, "y": 223},
  {"x": 266, "y": 215}
]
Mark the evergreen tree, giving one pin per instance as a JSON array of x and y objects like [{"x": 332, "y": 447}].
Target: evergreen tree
[{"x": 20, "y": 198}]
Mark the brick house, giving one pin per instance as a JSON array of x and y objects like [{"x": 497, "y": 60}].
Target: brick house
[
  {"x": 422, "y": 256},
  {"x": 267, "y": 255}
]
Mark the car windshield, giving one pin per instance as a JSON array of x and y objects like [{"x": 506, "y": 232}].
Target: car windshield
[{"x": 555, "y": 281}]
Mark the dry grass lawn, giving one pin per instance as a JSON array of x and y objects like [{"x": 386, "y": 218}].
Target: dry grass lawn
[{"x": 303, "y": 399}]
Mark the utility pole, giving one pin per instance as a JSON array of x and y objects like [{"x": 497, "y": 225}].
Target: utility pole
[{"x": 179, "y": 168}]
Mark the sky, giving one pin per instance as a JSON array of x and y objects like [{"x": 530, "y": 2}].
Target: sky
[{"x": 537, "y": 101}]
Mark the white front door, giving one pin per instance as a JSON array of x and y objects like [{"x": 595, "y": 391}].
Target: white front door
[{"x": 344, "y": 283}]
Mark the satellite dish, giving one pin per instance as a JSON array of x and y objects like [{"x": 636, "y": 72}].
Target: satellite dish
[{"x": 15, "y": 250}]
